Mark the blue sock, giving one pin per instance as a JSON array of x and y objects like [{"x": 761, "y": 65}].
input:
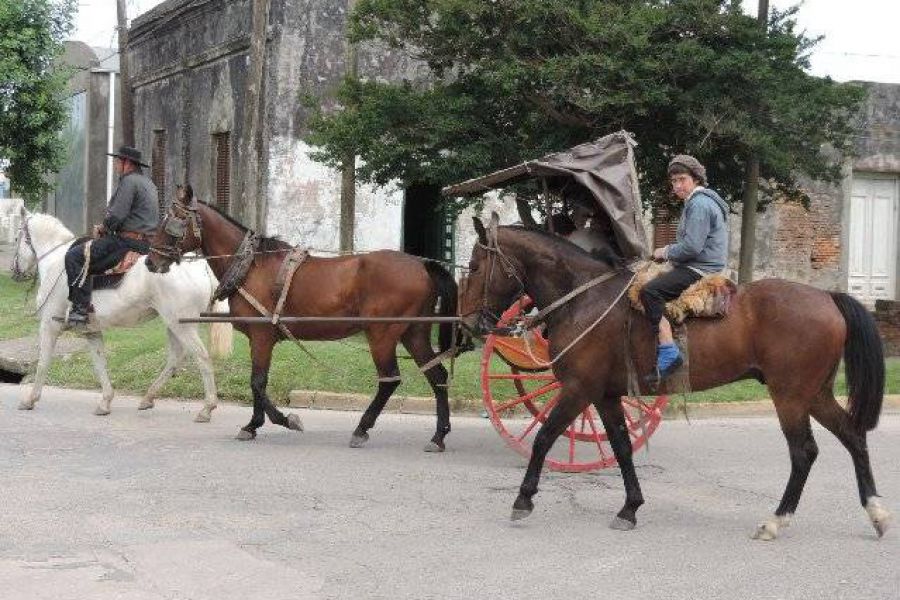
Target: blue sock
[{"x": 666, "y": 354}]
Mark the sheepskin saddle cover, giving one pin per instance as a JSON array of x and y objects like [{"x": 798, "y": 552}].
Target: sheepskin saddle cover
[{"x": 708, "y": 297}]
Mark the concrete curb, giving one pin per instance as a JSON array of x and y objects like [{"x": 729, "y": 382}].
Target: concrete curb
[{"x": 319, "y": 400}]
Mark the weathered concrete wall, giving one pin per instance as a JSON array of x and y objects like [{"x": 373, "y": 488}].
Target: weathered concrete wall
[
  {"x": 812, "y": 246},
  {"x": 189, "y": 67},
  {"x": 304, "y": 204},
  {"x": 465, "y": 238},
  {"x": 310, "y": 57}
]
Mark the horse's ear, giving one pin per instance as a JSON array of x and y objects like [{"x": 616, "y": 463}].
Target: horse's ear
[
  {"x": 495, "y": 219},
  {"x": 23, "y": 212},
  {"x": 189, "y": 190},
  {"x": 479, "y": 229}
]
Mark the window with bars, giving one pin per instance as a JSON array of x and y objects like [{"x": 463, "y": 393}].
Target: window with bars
[
  {"x": 665, "y": 226},
  {"x": 158, "y": 165},
  {"x": 222, "y": 157}
]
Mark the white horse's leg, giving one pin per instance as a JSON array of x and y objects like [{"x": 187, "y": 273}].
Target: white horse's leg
[
  {"x": 98, "y": 357},
  {"x": 49, "y": 333},
  {"x": 190, "y": 339},
  {"x": 175, "y": 354}
]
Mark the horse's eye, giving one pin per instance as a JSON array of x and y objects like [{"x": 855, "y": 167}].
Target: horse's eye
[{"x": 473, "y": 267}]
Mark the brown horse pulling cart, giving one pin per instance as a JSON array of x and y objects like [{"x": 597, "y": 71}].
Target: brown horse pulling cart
[{"x": 518, "y": 386}]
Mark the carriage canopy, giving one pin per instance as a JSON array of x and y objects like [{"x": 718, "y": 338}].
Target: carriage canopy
[{"x": 603, "y": 171}]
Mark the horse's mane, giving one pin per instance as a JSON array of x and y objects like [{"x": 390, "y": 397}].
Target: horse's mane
[
  {"x": 42, "y": 225},
  {"x": 564, "y": 247},
  {"x": 266, "y": 244}
]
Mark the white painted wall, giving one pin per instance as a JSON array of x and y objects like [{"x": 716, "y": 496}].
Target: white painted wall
[
  {"x": 304, "y": 204},
  {"x": 503, "y": 205}
]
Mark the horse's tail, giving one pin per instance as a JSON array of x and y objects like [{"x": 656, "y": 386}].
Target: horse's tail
[
  {"x": 863, "y": 363},
  {"x": 447, "y": 294},
  {"x": 221, "y": 335}
]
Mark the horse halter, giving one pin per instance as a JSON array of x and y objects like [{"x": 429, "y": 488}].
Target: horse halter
[
  {"x": 175, "y": 224},
  {"x": 19, "y": 274},
  {"x": 492, "y": 248}
]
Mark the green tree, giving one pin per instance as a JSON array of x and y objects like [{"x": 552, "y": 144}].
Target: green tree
[
  {"x": 513, "y": 79},
  {"x": 32, "y": 107}
]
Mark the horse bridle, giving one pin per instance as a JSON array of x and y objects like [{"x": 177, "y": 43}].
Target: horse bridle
[
  {"x": 176, "y": 222},
  {"x": 492, "y": 248},
  {"x": 17, "y": 273}
]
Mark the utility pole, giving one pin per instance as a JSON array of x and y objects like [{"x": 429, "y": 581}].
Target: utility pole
[
  {"x": 253, "y": 203},
  {"x": 126, "y": 105},
  {"x": 348, "y": 167},
  {"x": 751, "y": 188}
]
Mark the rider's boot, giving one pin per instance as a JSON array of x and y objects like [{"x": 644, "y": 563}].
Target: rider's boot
[{"x": 668, "y": 359}]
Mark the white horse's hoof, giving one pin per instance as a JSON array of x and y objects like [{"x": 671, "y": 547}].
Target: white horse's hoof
[
  {"x": 294, "y": 422},
  {"x": 879, "y": 515},
  {"x": 202, "y": 417},
  {"x": 101, "y": 412},
  {"x": 768, "y": 529},
  {"x": 146, "y": 404},
  {"x": 25, "y": 405}
]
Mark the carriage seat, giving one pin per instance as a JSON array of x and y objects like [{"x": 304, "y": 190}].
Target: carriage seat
[{"x": 708, "y": 297}]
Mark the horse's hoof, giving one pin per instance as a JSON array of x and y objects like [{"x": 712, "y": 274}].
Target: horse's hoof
[
  {"x": 294, "y": 422},
  {"x": 245, "y": 436},
  {"x": 26, "y": 405},
  {"x": 880, "y": 516},
  {"x": 435, "y": 447},
  {"x": 620, "y": 524},
  {"x": 202, "y": 417},
  {"x": 766, "y": 532},
  {"x": 358, "y": 441},
  {"x": 518, "y": 514},
  {"x": 145, "y": 404},
  {"x": 101, "y": 412},
  {"x": 522, "y": 507}
]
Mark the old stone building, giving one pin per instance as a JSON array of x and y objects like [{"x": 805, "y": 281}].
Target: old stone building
[
  {"x": 190, "y": 67},
  {"x": 190, "y": 64},
  {"x": 847, "y": 240},
  {"x": 85, "y": 180}
]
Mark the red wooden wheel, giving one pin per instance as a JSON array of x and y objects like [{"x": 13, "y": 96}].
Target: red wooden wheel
[{"x": 520, "y": 390}]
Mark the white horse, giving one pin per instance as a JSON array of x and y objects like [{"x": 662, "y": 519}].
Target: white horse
[{"x": 185, "y": 291}]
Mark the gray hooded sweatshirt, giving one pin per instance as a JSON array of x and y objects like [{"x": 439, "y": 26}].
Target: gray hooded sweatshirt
[{"x": 701, "y": 242}]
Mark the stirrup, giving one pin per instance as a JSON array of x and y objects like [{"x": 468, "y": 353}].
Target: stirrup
[{"x": 661, "y": 375}]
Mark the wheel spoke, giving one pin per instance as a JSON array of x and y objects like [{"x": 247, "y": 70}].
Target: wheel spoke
[
  {"x": 596, "y": 433},
  {"x": 572, "y": 442},
  {"x": 529, "y": 396},
  {"x": 540, "y": 416},
  {"x": 522, "y": 376}
]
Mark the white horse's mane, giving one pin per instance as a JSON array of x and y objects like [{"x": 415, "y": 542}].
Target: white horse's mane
[{"x": 47, "y": 227}]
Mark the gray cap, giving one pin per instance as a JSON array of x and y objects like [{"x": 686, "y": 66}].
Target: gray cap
[{"x": 692, "y": 165}]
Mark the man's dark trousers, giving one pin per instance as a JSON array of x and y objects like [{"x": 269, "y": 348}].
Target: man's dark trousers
[
  {"x": 106, "y": 252},
  {"x": 665, "y": 288}
]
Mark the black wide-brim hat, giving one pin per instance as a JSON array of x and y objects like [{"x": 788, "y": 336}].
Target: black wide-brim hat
[{"x": 129, "y": 153}]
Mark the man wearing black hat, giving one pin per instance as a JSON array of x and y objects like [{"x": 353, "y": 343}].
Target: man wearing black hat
[
  {"x": 700, "y": 248},
  {"x": 131, "y": 219}
]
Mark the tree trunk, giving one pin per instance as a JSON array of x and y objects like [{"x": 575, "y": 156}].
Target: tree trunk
[
  {"x": 348, "y": 168},
  {"x": 748, "y": 221},
  {"x": 253, "y": 204},
  {"x": 751, "y": 190},
  {"x": 126, "y": 104}
]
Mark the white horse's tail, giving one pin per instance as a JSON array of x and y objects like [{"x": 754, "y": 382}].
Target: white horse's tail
[{"x": 221, "y": 335}]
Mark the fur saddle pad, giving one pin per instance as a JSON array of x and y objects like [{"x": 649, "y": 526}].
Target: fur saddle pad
[{"x": 708, "y": 297}]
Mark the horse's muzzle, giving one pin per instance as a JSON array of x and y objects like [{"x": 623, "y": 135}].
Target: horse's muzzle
[{"x": 478, "y": 324}]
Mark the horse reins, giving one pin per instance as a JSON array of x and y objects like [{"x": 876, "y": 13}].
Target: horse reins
[{"x": 493, "y": 249}]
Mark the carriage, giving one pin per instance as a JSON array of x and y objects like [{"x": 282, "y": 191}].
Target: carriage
[{"x": 519, "y": 390}]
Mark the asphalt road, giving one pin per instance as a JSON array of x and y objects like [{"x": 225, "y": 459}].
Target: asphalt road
[{"x": 153, "y": 506}]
